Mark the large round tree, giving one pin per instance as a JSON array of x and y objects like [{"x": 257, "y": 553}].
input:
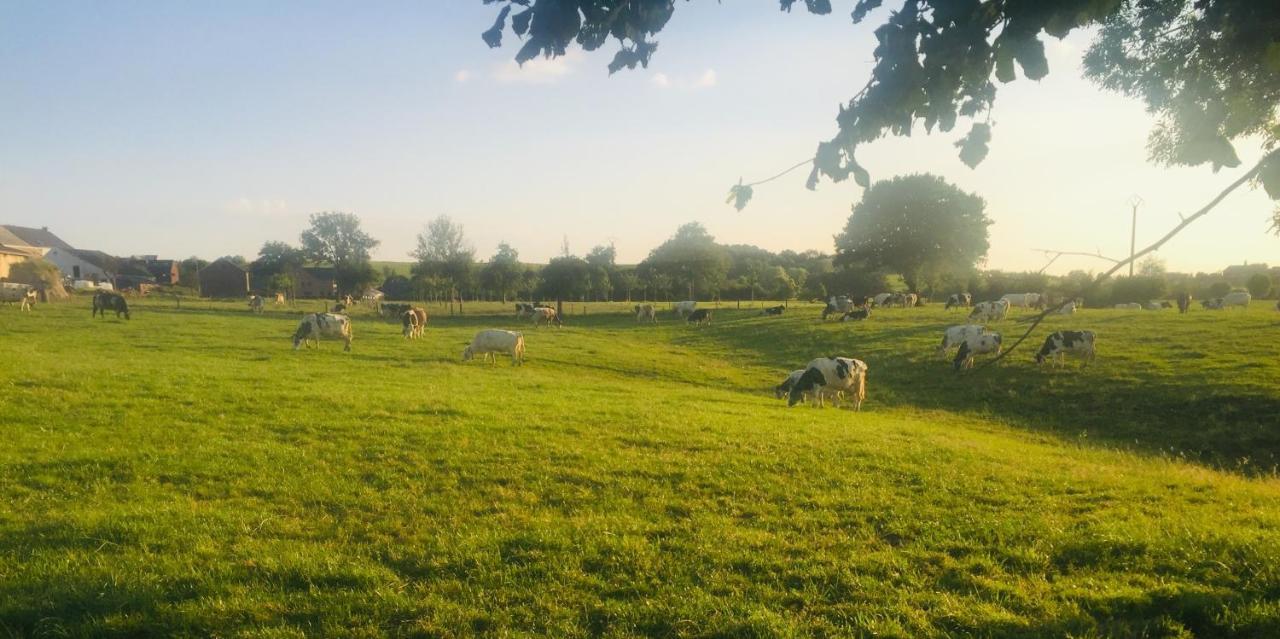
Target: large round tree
[{"x": 917, "y": 225}]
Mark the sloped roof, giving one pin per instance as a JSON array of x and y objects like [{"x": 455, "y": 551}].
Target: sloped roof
[
  {"x": 223, "y": 261},
  {"x": 96, "y": 258},
  {"x": 25, "y": 251},
  {"x": 37, "y": 237},
  {"x": 7, "y": 238}
]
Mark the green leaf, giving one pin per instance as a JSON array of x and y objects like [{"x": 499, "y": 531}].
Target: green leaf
[
  {"x": 493, "y": 37},
  {"x": 1269, "y": 175},
  {"x": 860, "y": 175},
  {"x": 520, "y": 22},
  {"x": 739, "y": 195},
  {"x": 974, "y": 146}
]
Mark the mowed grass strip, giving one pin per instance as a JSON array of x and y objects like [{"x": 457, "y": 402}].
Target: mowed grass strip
[{"x": 186, "y": 473}]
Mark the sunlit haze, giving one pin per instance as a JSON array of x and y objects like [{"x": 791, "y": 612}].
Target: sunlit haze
[{"x": 208, "y": 128}]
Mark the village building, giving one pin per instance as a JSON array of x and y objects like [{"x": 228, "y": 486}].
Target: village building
[{"x": 223, "y": 278}]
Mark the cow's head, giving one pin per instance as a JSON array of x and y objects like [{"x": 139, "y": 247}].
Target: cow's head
[
  {"x": 810, "y": 380},
  {"x": 468, "y": 354}
]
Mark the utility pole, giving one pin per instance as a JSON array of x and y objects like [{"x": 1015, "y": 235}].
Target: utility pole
[{"x": 1133, "y": 230}]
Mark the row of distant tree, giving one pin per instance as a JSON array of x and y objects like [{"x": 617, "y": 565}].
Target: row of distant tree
[{"x": 916, "y": 233}]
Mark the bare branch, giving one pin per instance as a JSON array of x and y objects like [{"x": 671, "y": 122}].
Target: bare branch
[{"x": 1204, "y": 210}]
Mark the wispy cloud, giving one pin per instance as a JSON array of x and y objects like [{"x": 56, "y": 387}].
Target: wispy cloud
[
  {"x": 665, "y": 81},
  {"x": 537, "y": 70},
  {"x": 461, "y": 75},
  {"x": 258, "y": 207}
]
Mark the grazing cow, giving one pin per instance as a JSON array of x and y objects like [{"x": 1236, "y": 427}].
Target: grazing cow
[
  {"x": 1021, "y": 300},
  {"x": 256, "y": 304},
  {"x": 881, "y": 299},
  {"x": 338, "y": 308},
  {"x": 858, "y": 314},
  {"x": 909, "y": 300},
  {"x": 956, "y": 335},
  {"x": 1237, "y": 298},
  {"x": 317, "y": 326},
  {"x": 646, "y": 313},
  {"x": 491, "y": 341},
  {"x": 1129, "y": 306},
  {"x": 1066, "y": 309},
  {"x": 414, "y": 322},
  {"x": 523, "y": 310},
  {"x": 104, "y": 301},
  {"x": 23, "y": 294},
  {"x": 700, "y": 317},
  {"x": 1152, "y": 306},
  {"x": 685, "y": 307},
  {"x": 1214, "y": 304},
  {"x": 773, "y": 310},
  {"x": 989, "y": 311},
  {"x": 409, "y": 324},
  {"x": 974, "y": 345},
  {"x": 784, "y": 389},
  {"x": 831, "y": 376},
  {"x": 958, "y": 300},
  {"x": 1062, "y": 343},
  {"x": 542, "y": 315},
  {"x": 347, "y": 301},
  {"x": 279, "y": 298},
  {"x": 1184, "y": 302}
]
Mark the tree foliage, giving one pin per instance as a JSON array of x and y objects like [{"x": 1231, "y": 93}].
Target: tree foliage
[
  {"x": 565, "y": 278},
  {"x": 336, "y": 238},
  {"x": 503, "y": 272},
  {"x": 915, "y": 225},
  {"x": 1259, "y": 285},
  {"x": 1209, "y": 68},
  {"x": 443, "y": 254},
  {"x": 691, "y": 260}
]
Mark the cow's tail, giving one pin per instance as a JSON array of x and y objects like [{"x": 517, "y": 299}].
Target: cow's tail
[
  {"x": 860, "y": 387},
  {"x": 520, "y": 349}
]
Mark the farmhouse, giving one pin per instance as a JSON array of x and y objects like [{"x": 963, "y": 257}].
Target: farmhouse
[
  {"x": 57, "y": 251},
  {"x": 163, "y": 271},
  {"x": 317, "y": 282},
  {"x": 11, "y": 255},
  {"x": 223, "y": 278}
]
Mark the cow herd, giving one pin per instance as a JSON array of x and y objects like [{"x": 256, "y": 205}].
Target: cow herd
[{"x": 834, "y": 379}]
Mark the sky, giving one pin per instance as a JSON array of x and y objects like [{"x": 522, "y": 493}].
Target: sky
[{"x": 185, "y": 128}]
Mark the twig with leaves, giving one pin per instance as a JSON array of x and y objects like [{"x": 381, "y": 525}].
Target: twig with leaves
[{"x": 1268, "y": 161}]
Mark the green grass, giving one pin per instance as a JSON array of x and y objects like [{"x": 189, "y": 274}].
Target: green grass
[{"x": 187, "y": 474}]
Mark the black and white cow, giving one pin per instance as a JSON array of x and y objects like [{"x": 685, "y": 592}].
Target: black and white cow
[
  {"x": 989, "y": 311},
  {"x": 1062, "y": 343},
  {"x": 784, "y": 389},
  {"x": 831, "y": 376},
  {"x": 857, "y": 314},
  {"x": 773, "y": 310},
  {"x": 974, "y": 345},
  {"x": 700, "y": 317},
  {"x": 104, "y": 301},
  {"x": 958, "y": 300},
  {"x": 837, "y": 306},
  {"x": 956, "y": 335},
  {"x": 317, "y": 326}
]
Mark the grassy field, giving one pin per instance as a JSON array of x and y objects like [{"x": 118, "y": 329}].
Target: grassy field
[{"x": 187, "y": 474}]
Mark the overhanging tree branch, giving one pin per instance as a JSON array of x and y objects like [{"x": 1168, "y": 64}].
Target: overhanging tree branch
[
  {"x": 1035, "y": 321},
  {"x": 1058, "y": 254}
]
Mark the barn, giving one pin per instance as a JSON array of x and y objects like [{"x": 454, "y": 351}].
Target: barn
[{"x": 223, "y": 278}]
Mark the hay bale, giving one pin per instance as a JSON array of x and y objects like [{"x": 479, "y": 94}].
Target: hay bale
[{"x": 41, "y": 274}]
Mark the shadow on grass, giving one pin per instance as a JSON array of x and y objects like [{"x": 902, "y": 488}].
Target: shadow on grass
[{"x": 1217, "y": 420}]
